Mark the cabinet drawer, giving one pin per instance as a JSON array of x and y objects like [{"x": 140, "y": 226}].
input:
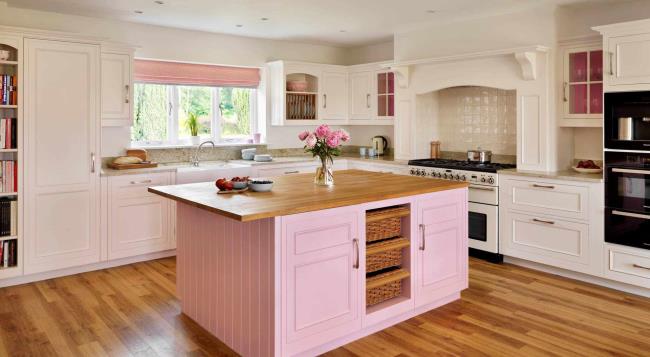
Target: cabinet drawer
[
  {"x": 546, "y": 240},
  {"x": 132, "y": 186},
  {"x": 279, "y": 171},
  {"x": 566, "y": 201},
  {"x": 628, "y": 265}
]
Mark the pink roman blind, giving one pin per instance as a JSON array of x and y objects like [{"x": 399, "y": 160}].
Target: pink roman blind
[{"x": 162, "y": 72}]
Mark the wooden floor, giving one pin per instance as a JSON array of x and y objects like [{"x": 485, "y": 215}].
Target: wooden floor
[{"x": 507, "y": 311}]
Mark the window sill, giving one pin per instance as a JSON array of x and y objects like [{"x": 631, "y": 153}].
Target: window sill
[{"x": 185, "y": 146}]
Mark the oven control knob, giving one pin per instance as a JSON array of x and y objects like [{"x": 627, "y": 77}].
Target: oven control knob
[
  {"x": 463, "y": 178},
  {"x": 444, "y": 176},
  {"x": 491, "y": 180},
  {"x": 439, "y": 174},
  {"x": 482, "y": 179},
  {"x": 457, "y": 177},
  {"x": 412, "y": 171}
]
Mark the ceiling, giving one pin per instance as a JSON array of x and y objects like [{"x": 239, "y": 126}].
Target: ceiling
[{"x": 335, "y": 22}]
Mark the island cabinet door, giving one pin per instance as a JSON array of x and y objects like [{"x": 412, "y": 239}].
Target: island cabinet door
[
  {"x": 321, "y": 278},
  {"x": 442, "y": 245}
]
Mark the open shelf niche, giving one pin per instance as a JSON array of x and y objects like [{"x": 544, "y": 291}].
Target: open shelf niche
[
  {"x": 387, "y": 257},
  {"x": 302, "y": 104}
]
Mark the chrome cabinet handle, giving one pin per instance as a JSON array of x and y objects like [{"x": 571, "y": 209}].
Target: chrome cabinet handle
[
  {"x": 543, "y": 186},
  {"x": 291, "y": 172},
  {"x": 640, "y": 266},
  {"x": 423, "y": 241},
  {"x": 324, "y": 100},
  {"x": 632, "y": 215},
  {"x": 140, "y": 182},
  {"x": 631, "y": 171},
  {"x": 126, "y": 99},
  {"x": 92, "y": 162},
  {"x": 355, "y": 244},
  {"x": 611, "y": 63},
  {"x": 542, "y": 221},
  {"x": 368, "y": 100},
  {"x": 482, "y": 188},
  {"x": 564, "y": 92}
]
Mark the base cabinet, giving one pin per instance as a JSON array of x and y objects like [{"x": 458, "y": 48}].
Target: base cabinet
[
  {"x": 139, "y": 222},
  {"x": 442, "y": 246}
]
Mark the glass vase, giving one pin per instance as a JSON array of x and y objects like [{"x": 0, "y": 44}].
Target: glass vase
[{"x": 324, "y": 176}]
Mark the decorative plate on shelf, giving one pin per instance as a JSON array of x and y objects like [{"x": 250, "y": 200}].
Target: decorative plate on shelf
[{"x": 587, "y": 171}]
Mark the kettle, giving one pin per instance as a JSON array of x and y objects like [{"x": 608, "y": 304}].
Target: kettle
[{"x": 380, "y": 144}]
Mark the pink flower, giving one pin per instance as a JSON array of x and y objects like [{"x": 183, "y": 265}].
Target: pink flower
[
  {"x": 343, "y": 135},
  {"x": 310, "y": 140},
  {"x": 332, "y": 140},
  {"x": 322, "y": 131},
  {"x": 302, "y": 136}
]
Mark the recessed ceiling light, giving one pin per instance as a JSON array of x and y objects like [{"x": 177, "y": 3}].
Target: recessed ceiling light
[
  {"x": 159, "y": 2},
  {"x": 239, "y": 25},
  {"x": 343, "y": 30},
  {"x": 431, "y": 11},
  {"x": 138, "y": 12},
  {"x": 264, "y": 19}
]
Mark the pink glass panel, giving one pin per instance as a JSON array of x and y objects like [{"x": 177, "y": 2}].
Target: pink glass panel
[
  {"x": 578, "y": 102},
  {"x": 578, "y": 67},
  {"x": 382, "y": 105},
  {"x": 391, "y": 83},
  {"x": 391, "y": 105},
  {"x": 381, "y": 83},
  {"x": 596, "y": 98},
  {"x": 596, "y": 66}
]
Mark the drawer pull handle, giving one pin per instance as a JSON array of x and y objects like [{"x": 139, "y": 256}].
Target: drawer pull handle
[
  {"x": 423, "y": 241},
  {"x": 482, "y": 188},
  {"x": 291, "y": 172},
  {"x": 640, "y": 266},
  {"x": 542, "y": 221},
  {"x": 633, "y": 215},
  {"x": 140, "y": 182},
  {"x": 631, "y": 171},
  {"x": 543, "y": 186},
  {"x": 355, "y": 244}
]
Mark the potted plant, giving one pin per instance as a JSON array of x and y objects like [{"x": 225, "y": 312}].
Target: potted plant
[
  {"x": 325, "y": 144},
  {"x": 193, "y": 126}
]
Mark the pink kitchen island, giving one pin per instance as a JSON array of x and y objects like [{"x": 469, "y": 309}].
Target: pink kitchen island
[{"x": 285, "y": 273}]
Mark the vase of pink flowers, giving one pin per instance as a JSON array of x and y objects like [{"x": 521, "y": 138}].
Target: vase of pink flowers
[{"x": 324, "y": 143}]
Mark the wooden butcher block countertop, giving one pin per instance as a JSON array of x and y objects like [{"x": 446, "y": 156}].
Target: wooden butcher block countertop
[{"x": 293, "y": 194}]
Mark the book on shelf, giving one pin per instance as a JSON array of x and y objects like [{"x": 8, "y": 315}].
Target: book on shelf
[
  {"x": 8, "y": 133},
  {"x": 8, "y": 216},
  {"x": 9, "y": 89},
  {"x": 8, "y": 176},
  {"x": 8, "y": 253}
]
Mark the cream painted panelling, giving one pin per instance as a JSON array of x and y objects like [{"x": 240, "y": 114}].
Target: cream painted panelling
[{"x": 471, "y": 117}]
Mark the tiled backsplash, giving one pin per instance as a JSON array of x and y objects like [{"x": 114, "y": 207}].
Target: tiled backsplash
[{"x": 472, "y": 117}]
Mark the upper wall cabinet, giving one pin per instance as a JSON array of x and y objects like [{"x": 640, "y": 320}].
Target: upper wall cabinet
[
  {"x": 372, "y": 96},
  {"x": 334, "y": 91},
  {"x": 627, "y": 60},
  {"x": 361, "y": 90},
  {"x": 117, "y": 87},
  {"x": 582, "y": 85}
]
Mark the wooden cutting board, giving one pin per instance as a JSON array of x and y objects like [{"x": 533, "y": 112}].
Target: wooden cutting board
[{"x": 143, "y": 165}]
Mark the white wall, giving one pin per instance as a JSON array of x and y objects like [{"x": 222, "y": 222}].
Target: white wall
[
  {"x": 379, "y": 52},
  {"x": 179, "y": 45},
  {"x": 588, "y": 143},
  {"x": 574, "y": 21}
]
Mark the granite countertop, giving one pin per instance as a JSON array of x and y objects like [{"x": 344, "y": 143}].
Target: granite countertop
[
  {"x": 173, "y": 167},
  {"x": 557, "y": 175},
  {"x": 293, "y": 194}
]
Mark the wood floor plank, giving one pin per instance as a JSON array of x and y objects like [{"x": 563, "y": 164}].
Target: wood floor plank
[{"x": 507, "y": 311}]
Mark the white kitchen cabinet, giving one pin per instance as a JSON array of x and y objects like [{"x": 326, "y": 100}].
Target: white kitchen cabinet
[
  {"x": 62, "y": 107},
  {"x": 334, "y": 96},
  {"x": 117, "y": 89},
  {"x": 138, "y": 222},
  {"x": 378, "y": 167},
  {"x": 555, "y": 199},
  {"x": 627, "y": 264},
  {"x": 627, "y": 60},
  {"x": 361, "y": 95},
  {"x": 582, "y": 86}
]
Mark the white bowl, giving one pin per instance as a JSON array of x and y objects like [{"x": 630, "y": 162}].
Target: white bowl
[
  {"x": 238, "y": 185},
  {"x": 263, "y": 158},
  {"x": 260, "y": 187},
  {"x": 4, "y": 55},
  {"x": 587, "y": 171}
]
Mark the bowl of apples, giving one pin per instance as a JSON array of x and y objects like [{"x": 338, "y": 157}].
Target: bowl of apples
[
  {"x": 234, "y": 185},
  {"x": 587, "y": 167}
]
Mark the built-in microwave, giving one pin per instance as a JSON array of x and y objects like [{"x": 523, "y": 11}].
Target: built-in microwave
[
  {"x": 627, "y": 120},
  {"x": 627, "y": 198}
]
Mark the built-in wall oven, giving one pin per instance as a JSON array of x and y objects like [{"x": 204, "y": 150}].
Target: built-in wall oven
[
  {"x": 627, "y": 198},
  {"x": 627, "y": 120}
]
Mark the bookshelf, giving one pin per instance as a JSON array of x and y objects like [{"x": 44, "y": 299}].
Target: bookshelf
[{"x": 11, "y": 242}]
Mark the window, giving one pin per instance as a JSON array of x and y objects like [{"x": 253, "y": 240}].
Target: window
[{"x": 225, "y": 114}]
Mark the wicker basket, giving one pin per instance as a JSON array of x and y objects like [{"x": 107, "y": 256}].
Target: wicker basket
[
  {"x": 384, "y": 286},
  {"x": 385, "y": 223},
  {"x": 385, "y": 254}
]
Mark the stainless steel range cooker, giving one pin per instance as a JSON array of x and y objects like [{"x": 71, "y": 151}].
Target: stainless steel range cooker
[{"x": 483, "y": 198}]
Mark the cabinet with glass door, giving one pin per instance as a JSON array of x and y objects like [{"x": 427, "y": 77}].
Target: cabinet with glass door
[
  {"x": 385, "y": 95},
  {"x": 583, "y": 84}
]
